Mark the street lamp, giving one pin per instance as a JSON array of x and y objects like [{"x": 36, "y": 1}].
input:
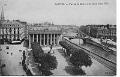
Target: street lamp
[{"x": 79, "y": 35}]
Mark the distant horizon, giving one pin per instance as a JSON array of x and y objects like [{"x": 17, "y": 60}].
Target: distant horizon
[
  {"x": 56, "y": 24},
  {"x": 46, "y": 11}
]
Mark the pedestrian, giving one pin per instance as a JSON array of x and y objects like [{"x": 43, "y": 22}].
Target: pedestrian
[
  {"x": 51, "y": 47},
  {"x": 49, "y": 52},
  {"x": 11, "y": 54},
  {"x": 7, "y": 53}
]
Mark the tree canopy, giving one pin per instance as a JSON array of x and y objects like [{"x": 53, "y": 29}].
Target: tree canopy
[
  {"x": 80, "y": 58},
  {"x": 46, "y": 61}
]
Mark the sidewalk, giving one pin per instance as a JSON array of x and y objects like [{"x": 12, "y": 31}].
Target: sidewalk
[
  {"x": 11, "y": 58},
  {"x": 62, "y": 63},
  {"x": 31, "y": 64}
]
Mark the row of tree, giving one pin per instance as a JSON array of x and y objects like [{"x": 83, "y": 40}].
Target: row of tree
[
  {"x": 46, "y": 61},
  {"x": 28, "y": 72},
  {"x": 78, "y": 57}
]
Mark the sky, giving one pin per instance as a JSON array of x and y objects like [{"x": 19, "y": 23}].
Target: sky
[{"x": 37, "y": 11}]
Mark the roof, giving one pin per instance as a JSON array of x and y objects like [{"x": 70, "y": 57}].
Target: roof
[{"x": 12, "y": 23}]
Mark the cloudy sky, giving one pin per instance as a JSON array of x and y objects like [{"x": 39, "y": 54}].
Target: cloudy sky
[{"x": 46, "y": 10}]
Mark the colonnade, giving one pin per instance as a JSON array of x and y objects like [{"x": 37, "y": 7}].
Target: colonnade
[{"x": 44, "y": 39}]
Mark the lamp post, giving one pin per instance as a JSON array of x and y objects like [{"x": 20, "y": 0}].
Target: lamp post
[{"x": 79, "y": 35}]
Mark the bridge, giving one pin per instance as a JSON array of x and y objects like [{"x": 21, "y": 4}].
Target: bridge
[{"x": 95, "y": 51}]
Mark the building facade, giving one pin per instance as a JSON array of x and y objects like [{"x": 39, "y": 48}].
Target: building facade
[
  {"x": 12, "y": 30},
  {"x": 109, "y": 33},
  {"x": 102, "y": 31},
  {"x": 45, "y": 34}
]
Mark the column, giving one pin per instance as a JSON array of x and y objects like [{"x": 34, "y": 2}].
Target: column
[
  {"x": 40, "y": 39},
  {"x": 37, "y": 37},
  {"x": 29, "y": 41},
  {"x": 44, "y": 40},
  {"x": 54, "y": 39},
  {"x": 50, "y": 38},
  {"x": 33, "y": 37},
  {"x": 57, "y": 39},
  {"x": 47, "y": 39}
]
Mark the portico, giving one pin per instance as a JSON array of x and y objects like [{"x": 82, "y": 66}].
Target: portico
[{"x": 44, "y": 38}]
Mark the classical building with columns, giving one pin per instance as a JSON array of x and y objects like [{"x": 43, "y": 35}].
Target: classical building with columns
[{"x": 45, "y": 34}]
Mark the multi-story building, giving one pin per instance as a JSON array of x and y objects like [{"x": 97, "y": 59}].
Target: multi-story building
[
  {"x": 109, "y": 33},
  {"x": 12, "y": 30},
  {"x": 102, "y": 31},
  {"x": 45, "y": 34}
]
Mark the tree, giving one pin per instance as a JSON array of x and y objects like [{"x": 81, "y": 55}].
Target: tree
[
  {"x": 74, "y": 70},
  {"x": 47, "y": 61},
  {"x": 36, "y": 50},
  {"x": 69, "y": 49},
  {"x": 26, "y": 43},
  {"x": 80, "y": 58}
]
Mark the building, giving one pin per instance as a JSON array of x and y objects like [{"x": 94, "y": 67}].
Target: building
[
  {"x": 12, "y": 30},
  {"x": 109, "y": 33},
  {"x": 102, "y": 31},
  {"x": 44, "y": 33}
]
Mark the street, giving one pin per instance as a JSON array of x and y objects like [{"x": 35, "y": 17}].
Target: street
[
  {"x": 12, "y": 58},
  {"x": 13, "y": 66},
  {"x": 62, "y": 63}
]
